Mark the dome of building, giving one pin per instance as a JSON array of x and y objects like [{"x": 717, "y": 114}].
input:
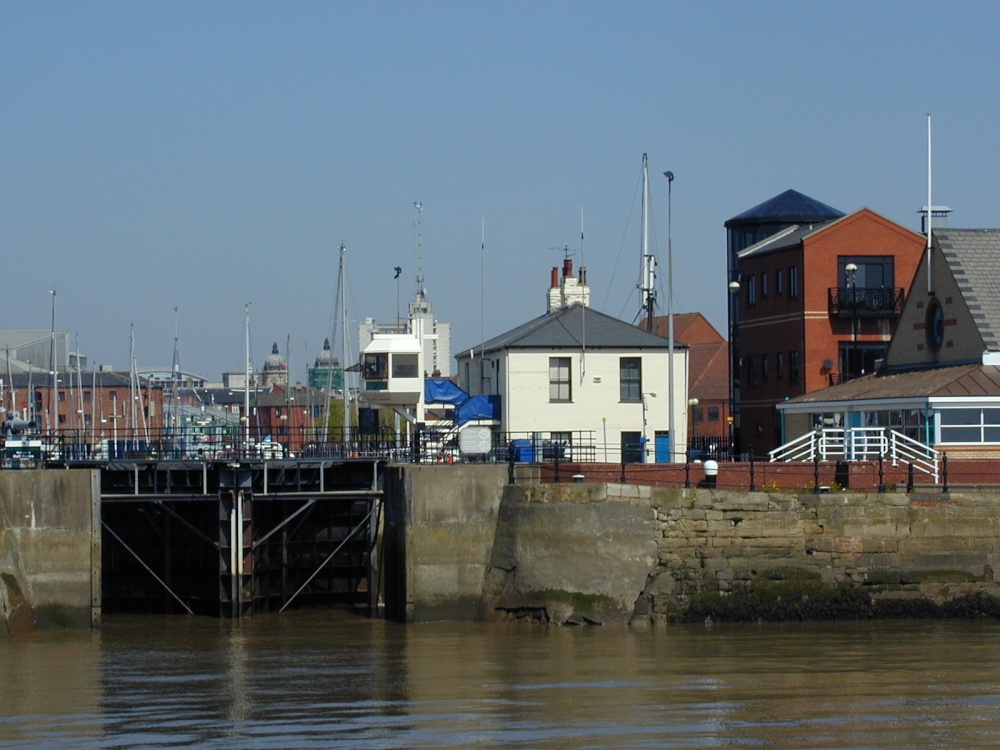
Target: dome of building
[
  {"x": 327, "y": 358},
  {"x": 274, "y": 360}
]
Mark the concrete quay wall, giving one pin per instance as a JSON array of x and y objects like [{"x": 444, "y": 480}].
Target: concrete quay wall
[
  {"x": 50, "y": 549},
  {"x": 611, "y": 553}
]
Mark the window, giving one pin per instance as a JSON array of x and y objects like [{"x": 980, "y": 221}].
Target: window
[
  {"x": 713, "y": 414},
  {"x": 778, "y": 278},
  {"x": 697, "y": 414},
  {"x": 630, "y": 378},
  {"x": 763, "y": 284},
  {"x": 405, "y": 366},
  {"x": 874, "y": 271},
  {"x": 793, "y": 367},
  {"x": 559, "y": 380},
  {"x": 970, "y": 425},
  {"x": 763, "y": 367},
  {"x": 751, "y": 291},
  {"x": 113, "y": 395},
  {"x": 752, "y": 370},
  {"x": 779, "y": 366},
  {"x": 793, "y": 282}
]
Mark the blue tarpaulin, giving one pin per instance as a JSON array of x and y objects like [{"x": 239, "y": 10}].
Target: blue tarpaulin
[
  {"x": 467, "y": 408},
  {"x": 442, "y": 391},
  {"x": 478, "y": 407}
]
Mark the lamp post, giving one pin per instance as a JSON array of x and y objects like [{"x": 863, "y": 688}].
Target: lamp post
[
  {"x": 734, "y": 291},
  {"x": 670, "y": 315},
  {"x": 852, "y": 270}
]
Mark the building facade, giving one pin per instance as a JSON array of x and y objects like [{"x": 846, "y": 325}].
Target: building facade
[{"x": 815, "y": 305}]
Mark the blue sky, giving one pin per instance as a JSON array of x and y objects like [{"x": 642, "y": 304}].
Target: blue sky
[{"x": 204, "y": 155}]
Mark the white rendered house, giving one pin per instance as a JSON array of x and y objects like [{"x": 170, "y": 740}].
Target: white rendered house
[{"x": 576, "y": 375}]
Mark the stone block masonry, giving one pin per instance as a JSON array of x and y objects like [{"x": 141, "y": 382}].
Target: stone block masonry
[
  {"x": 611, "y": 553},
  {"x": 50, "y": 550}
]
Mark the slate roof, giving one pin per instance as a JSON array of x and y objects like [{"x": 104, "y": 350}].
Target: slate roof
[
  {"x": 960, "y": 380},
  {"x": 788, "y": 237},
  {"x": 790, "y": 207},
  {"x": 565, "y": 328},
  {"x": 974, "y": 258}
]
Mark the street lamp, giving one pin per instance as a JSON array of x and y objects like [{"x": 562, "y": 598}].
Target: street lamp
[
  {"x": 852, "y": 270},
  {"x": 734, "y": 291},
  {"x": 670, "y": 315}
]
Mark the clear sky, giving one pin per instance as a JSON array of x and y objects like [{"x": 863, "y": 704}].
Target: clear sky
[{"x": 202, "y": 155}]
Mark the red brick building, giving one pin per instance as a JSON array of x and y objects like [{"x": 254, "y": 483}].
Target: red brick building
[
  {"x": 816, "y": 305},
  {"x": 708, "y": 378}
]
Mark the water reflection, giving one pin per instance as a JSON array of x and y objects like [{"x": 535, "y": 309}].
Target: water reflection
[{"x": 332, "y": 680}]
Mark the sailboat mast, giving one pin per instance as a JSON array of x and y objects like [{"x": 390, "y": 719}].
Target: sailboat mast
[
  {"x": 342, "y": 293},
  {"x": 648, "y": 259},
  {"x": 54, "y": 383},
  {"x": 247, "y": 375},
  {"x": 131, "y": 379}
]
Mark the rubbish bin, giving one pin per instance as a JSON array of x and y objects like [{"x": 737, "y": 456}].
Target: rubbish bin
[{"x": 523, "y": 451}]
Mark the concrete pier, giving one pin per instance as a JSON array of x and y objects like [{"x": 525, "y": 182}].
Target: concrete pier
[{"x": 50, "y": 550}]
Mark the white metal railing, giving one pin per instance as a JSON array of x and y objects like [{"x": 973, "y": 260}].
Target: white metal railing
[{"x": 859, "y": 444}]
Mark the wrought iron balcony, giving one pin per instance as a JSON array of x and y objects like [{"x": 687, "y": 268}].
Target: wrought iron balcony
[{"x": 848, "y": 302}]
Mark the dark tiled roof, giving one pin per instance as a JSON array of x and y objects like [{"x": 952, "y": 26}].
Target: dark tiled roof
[
  {"x": 961, "y": 380},
  {"x": 568, "y": 328},
  {"x": 974, "y": 258},
  {"x": 791, "y": 207}
]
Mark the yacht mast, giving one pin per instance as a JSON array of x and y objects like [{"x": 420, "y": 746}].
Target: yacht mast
[{"x": 247, "y": 374}]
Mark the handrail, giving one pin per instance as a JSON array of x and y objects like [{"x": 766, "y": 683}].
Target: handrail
[{"x": 859, "y": 444}]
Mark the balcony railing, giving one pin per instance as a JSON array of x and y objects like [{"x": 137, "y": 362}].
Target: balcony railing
[{"x": 847, "y": 302}]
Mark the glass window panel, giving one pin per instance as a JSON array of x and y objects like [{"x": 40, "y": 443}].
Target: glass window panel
[
  {"x": 991, "y": 434},
  {"x": 405, "y": 366},
  {"x": 960, "y": 416},
  {"x": 630, "y": 378},
  {"x": 960, "y": 434},
  {"x": 991, "y": 416}
]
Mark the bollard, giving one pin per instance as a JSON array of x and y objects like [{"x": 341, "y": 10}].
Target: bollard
[
  {"x": 944, "y": 471},
  {"x": 881, "y": 474},
  {"x": 711, "y": 475},
  {"x": 816, "y": 474},
  {"x": 909, "y": 477},
  {"x": 687, "y": 475},
  {"x": 753, "y": 475}
]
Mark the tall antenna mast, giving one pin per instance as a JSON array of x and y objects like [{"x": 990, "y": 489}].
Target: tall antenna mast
[
  {"x": 418, "y": 276},
  {"x": 648, "y": 259}
]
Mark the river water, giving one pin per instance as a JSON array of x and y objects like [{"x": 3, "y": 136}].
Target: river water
[{"x": 333, "y": 680}]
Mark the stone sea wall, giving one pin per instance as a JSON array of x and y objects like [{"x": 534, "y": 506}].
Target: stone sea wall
[
  {"x": 611, "y": 553},
  {"x": 50, "y": 550}
]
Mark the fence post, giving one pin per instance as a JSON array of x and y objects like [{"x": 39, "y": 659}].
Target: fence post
[
  {"x": 753, "y": 483},
  {"x": 687, "y": 475},
  {"x": 623, "y": 471},
  {"x": 909, "y": 477},
  {"x": 510, "y": 465},
  {"x": 556, "y": 477},
  {"x": 816, "y": 473},
  {"x": 944, "y": 472},
  {"x": 881, "y": 474}
]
